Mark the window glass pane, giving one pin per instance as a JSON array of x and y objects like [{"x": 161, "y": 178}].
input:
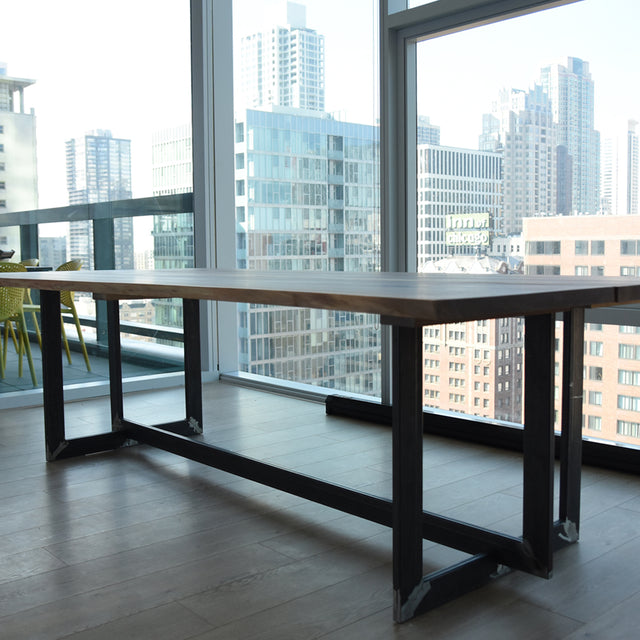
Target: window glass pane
[
  {"x": 529, "y": 163},
  {"x": 95, "y": 104},
  {"x": 307, "y": 181}
]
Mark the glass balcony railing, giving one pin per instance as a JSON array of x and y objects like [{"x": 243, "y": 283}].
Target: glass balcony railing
[{"x": 144, "y": 233}]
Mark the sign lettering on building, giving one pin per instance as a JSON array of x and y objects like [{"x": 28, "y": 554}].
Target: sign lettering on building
[{"x": 467, "y": 229}]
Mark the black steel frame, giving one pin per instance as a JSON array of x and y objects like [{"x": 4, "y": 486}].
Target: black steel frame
[{"x": 413, "y": 593}]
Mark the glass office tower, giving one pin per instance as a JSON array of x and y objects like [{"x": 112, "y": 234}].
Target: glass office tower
[
  {"x": 99, "y": 170},
  {"x": 307, "y": 191},
  {"x": 307, "y": 200}
]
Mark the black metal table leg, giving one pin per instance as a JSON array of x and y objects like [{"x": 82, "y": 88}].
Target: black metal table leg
[
  {"x": 192, "y": 423},
  {"x": 571, "y": 436},
  {"x": 538, "y": 441},
  {"x": 407, "y": 471},
  {"x": 192, "y": 364},
  {"x": 57, "y": 444},
  {"x": 115, "y": 364},
  {"x": 52, "y": 382}
]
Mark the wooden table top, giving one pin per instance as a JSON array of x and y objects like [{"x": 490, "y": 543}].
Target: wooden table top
[{"x": 426, "y": 298}]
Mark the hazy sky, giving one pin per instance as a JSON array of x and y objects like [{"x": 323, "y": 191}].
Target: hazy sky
[
  {"x": 121, "y": 65},
  {"x": 459, "y": 75},
  {"x": 350, "y": 47},
  {"x": 124, "y": 66}
]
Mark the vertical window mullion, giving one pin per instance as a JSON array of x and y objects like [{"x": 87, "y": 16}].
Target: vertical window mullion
[{"x": 213, "y": 175}]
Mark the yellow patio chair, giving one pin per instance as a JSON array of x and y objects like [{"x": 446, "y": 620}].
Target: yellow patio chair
[
  {"x": 11, "y": 301},
  {"x": 67, "y": 305},
  {"x": 32, "y": 262}
]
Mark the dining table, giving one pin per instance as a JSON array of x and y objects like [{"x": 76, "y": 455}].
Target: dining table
[{"x": 406, "y": 303}]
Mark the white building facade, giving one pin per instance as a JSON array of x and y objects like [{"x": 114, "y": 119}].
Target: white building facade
[
  {"x": 18, "y": 162},
  {"x": 284, "y": 65},
  {"x": 451, "y": 182}
]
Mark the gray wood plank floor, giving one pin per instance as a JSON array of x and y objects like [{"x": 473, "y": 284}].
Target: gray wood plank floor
[{"x": 142, "y": 544}]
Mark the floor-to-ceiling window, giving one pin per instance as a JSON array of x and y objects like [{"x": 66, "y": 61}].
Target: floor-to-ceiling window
[
  {"x": 522, "y": 157},
  {"x": 95, "y": 108}
]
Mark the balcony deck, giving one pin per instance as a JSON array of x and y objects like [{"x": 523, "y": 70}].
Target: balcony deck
[
  {"x": 141, "y": 544},
  {"x": 76, "y": 373}
]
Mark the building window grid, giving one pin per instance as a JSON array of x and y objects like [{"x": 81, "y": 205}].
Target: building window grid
[
  {"x": 627, "y": 428},
  {"x": 628, "y": 351},
  {"x": 628, "y": 403},
  {"x": 594, "y": 423},
  {"x": 595, "y": 397}
]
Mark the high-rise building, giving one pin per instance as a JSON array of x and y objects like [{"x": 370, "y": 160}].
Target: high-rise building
[
  {"x": 99, "y": 170},
  {"x": 454, "y": 182},
  {"x": 307, "y": 200},
  {"x": 632, "y": 168},
  {"x": 609, "y": 171},
  {"x": 427, "y": 133},
  {"x": 571, "y": 91},
  {"x": 18, "y": 165},
  {"x": 521, "y": 128},
  {"x": 606, "y": 245},
  {"x": 474, "y": 367},
  {"x": 172, "y": 173},
  {"x": 52, "y": 250},
  {"x": 284, "y": 65},
  {"x": 172, "y": 160},
  {"x": 619, "y": 172}
]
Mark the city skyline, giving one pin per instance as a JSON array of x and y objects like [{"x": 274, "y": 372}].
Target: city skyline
[
  {"x": 509, "y": 54},
  {"x": 111, "y": 97},
  {"x": 115, "y": 77}
]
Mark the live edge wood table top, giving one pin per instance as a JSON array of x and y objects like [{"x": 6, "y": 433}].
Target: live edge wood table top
[
  {"x": 423, "y": 298},
  {"x": 405, "y": 301}
]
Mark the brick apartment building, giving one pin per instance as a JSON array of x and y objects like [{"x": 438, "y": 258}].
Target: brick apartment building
[
  {"x": 593, "y": 246},
  {"x": 474, "y": 367}
]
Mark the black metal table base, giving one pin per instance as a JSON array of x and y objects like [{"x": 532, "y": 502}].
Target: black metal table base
[{"x": 490, "y": 551}]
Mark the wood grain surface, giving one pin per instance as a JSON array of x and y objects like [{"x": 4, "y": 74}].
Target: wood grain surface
[{"x": 423, "y": 298}]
